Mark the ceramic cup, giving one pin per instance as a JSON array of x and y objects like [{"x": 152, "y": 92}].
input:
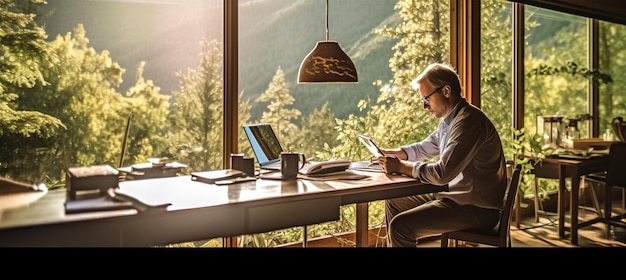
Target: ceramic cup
[
  {"x": 291, "y": 163},
  {"x": 239, "y": 162}
]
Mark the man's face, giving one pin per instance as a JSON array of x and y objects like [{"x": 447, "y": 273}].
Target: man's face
[{"x": 432, "y": 99}]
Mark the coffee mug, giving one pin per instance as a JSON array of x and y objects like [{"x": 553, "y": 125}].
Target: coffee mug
[
  {"x": 291, "y": 163},
  {"x": 239, "y": 162}
]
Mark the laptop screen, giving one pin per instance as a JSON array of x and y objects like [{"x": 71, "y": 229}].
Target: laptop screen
[{"x": 264, "y": 143}]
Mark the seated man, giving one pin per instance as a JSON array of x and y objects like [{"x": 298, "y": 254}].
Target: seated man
[{"x": 470, "y": 160}]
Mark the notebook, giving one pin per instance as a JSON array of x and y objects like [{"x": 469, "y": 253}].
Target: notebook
[{"x": 267, "y": 149}]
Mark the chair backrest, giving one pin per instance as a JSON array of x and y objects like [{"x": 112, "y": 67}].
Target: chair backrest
[
  {"x": 507, "y": 208},
  {"x": 616, "y": 174}
]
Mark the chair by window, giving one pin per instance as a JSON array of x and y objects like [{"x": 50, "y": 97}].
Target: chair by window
[
  {"x": 615, "y": 176},
  {"x": 499, "y": 235}
]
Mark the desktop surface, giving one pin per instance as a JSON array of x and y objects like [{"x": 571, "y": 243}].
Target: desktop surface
[{"x": 196, "y": 210}]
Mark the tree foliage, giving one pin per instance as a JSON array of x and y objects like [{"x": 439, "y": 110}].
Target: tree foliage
[
  {"x": 397, "y": 117},
  {"x": 318, "y": 135},
  {"x": 23, "y": 48},
  {"x": 278, "y": 113},
  {"x": 148, "y": 109},
  {"x": 196, "y": 119}
]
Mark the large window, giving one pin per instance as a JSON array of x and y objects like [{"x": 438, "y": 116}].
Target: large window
[
  {"x": 159, "y": 64},
  {"x": 569, "y": 71}
]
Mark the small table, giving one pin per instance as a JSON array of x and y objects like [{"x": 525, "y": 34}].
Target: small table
[{"x": 573, "y": 167}]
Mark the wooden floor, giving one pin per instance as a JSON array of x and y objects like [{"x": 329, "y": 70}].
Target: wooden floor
[{"x": 543, "y": 234}]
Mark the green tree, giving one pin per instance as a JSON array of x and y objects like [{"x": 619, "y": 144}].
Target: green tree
[
  {"x": 496, "y": 63},
  {"x": 397, "y": 117},
  {"x": 319, "y": 135},
  {"x": 196, "y": 118},
  {"x": 149, "y": 111},
  {"x": 244, "y": 118},
  {"x": 80, "y": 92},
  {"x": 277, "y": 94},
  {"x": 612, "y": 62},
  {"x": 23, "y": 49}
]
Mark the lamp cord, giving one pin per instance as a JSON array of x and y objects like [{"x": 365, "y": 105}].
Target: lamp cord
[{"x": 327, "y": 20}]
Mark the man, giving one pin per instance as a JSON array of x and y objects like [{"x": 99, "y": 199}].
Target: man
[{"x": 469, "y": 158}]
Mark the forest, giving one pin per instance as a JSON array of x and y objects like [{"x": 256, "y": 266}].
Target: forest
[{"x": 62, "y": 104}]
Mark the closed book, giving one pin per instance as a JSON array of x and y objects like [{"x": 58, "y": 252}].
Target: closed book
[
  {"x": 102, "y": 203},
  {"x": 212, "y": 176}
]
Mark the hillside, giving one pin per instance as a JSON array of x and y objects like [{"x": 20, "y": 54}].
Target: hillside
[{"x": 273, "y": 33}]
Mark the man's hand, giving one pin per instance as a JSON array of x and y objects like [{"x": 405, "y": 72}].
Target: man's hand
[{"x": 390, "y": 163}]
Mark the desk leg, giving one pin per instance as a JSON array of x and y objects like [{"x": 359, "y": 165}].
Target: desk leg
[
  {"x": 229, "y": 242},
  {"x": 304, "y": 236},
  {"x": 362, "y": 227},
  {"x": 573, "y": 229},
  {"x": 561, "y": 201}
]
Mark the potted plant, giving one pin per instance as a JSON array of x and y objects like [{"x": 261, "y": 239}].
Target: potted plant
[{"x": 527, "y": 149}]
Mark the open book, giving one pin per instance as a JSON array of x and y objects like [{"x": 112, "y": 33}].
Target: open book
[{"x": 322, "y": 167}]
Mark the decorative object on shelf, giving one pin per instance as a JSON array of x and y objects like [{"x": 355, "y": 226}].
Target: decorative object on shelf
[
  {"x": 327, "y": 63},
  {"x": 550, "y": 126}
]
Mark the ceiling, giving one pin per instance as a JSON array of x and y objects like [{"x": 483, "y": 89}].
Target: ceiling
[{"x": 606, "y": 10}]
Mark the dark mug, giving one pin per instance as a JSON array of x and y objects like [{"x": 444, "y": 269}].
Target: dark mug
[
  {"x": 241, "y": 163},
  {"x": 291, "y": 163}
]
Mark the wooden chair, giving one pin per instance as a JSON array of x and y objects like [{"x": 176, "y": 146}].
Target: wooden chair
[
  {"x": 615, "y": 176},
  {"x": 499, "y": 235}
]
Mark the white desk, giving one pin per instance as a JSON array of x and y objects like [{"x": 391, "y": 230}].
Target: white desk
[{"x": 198, "y": 211}]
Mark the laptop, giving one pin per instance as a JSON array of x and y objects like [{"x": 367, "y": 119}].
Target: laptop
[
  {"x": 265, "y": 145},
  {"x": 267, "y": 149}
]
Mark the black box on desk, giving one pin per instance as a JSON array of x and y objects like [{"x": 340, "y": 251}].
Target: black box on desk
[{"x": 96, "y": 177}]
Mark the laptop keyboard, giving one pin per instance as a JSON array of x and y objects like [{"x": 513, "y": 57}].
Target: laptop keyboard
[
  {"x": 273, "y": 166},
  {"x": 277, "y": 166}
]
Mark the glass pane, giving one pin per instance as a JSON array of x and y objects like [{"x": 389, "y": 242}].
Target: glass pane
[
  {"x": 110, "y": 60},
  {"x": 390, "y": 48},
  {"x": 555, "y": 58},
  {"x": 612, "y": 62},
  {"x": 496, "y": 42},
  {"x": 275, "y": 37}
]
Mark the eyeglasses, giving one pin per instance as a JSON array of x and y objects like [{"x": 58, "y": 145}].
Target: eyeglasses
[{"x": 425, "y": 99}]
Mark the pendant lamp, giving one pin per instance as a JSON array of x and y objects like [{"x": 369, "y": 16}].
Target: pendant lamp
[{"x": 327, "y": 63}]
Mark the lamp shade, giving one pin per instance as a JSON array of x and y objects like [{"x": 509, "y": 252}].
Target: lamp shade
[{"x": 327, "y": 63}]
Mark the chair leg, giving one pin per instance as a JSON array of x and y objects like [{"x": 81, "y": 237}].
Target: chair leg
[
  {"x": 516, "y": 210},
  {"x": 608, "y": 209},
  {"x": 536, "y": 191},
  {"x": 623, "y": 198},
  {"x": 594, "y": 198}
]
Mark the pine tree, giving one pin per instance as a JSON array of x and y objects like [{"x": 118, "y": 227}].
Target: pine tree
[
  {"x": 278, "y": 115},
  {"x": 195, "y": 135},
  {"x": 23, "y": 48}
]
